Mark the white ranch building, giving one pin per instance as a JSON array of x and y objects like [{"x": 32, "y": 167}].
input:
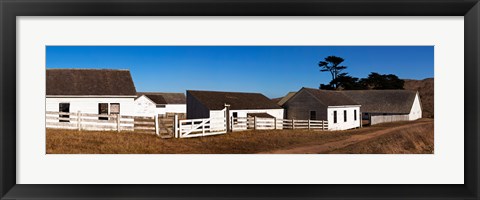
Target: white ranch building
[
  {"x": 211, "y": 104},
  {"x": 337, "y": 109},
  {"x": 160, "y": 103},
  {"x": 93, "y": 91},
  {"x": 380, "y": 106}
]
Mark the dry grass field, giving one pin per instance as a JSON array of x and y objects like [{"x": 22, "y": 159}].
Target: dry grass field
[{"x": 418, "y": 139}]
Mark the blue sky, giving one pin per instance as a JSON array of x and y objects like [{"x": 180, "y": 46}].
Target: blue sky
[{"x": 271, "y": 70}]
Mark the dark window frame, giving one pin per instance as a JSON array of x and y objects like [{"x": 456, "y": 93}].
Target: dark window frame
[
  {"x": 314, "y": 115},
  {"x": 61, "y": 108},
  {"x": 334, "y": 116},
  {"x": 100, "y": 112},
  {"x": 110, "y": 108},
  {"x": 355, "y": 115},
  {"x": 344, "y": 115}
]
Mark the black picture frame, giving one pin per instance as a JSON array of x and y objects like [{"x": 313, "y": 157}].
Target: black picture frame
[{"x": 10, "y": 9}]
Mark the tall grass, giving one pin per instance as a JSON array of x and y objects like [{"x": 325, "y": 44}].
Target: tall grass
[{"x": 102, "y": 142}]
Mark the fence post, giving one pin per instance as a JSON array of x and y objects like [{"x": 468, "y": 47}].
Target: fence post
[
  {"x": 275, "y": 123},
  {"x": 156, "y": 125},
  {"x": 293, "y": 123},
  {"x": 203, "y": 127},
  {"x": 308, "y": 124},
  {"x": 118, "y": 122},
  {"x": 323, "y": 125},
  {"x": 175, "y": 126},
  {"x": 79, "y": 125},
  {"x": 254, "y": 122}
]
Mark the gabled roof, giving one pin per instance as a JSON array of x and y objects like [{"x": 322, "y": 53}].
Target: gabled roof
[
  {"x": 101, "y": 82},
  {"x": 164, "y": 97},
  {"x": 286, "y": 98},
  {"x": 383, "y": 101},
  {"x": 330, "y": 98},
  {"x": 215, "y": 100}
]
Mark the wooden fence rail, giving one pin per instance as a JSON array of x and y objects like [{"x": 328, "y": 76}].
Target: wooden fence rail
[
  {"x": 166, "y": 127},
  {"x": 101, "y": 122},
  {"x": 257, "y": 123}
]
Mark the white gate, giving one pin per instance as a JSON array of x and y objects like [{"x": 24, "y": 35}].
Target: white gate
[{"x": 200, "y": 127}]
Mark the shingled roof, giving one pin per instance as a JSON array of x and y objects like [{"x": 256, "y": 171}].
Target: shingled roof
[
  {"x": 215, "y": 100},
  {"x": 383, "y": 101},
  {"x": 286, "y": 98},
  {"x": 100, "y": 82},
  {"x": 164, "y": 97},
  {"x": 330, "y": 98}
]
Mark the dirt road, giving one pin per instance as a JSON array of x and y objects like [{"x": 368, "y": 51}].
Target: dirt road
[{"x": 316, "y": 148}]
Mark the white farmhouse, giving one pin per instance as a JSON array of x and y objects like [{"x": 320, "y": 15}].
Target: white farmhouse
[
  {"x": 160, "y": 103},
  {"x": 94, "y": 91},
  {"x": 211, "y": 104},
  {"x": 337, "y": 109},
  {"x": 380, "y": 106}
]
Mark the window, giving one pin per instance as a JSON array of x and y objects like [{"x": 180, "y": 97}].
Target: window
[
  {"x": 115, "y": 108},
  {"x": 345, "y": 115},
  {"x": 64, "y": 108},
  {"x": 235, "y": 119},
  {"x": 355, "y": 115},
  {"x": 161, "y": 106},
  {"x": 103, "y": 110},
  {"x": 335, "y": 116},
  {"x": 313, "y": 115}
]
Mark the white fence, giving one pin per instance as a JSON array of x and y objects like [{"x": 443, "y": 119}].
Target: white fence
[
  {"x": 95, "y": 122},
  {"x": 181, "y": 128},
  {"x": 205, "y": 127}
]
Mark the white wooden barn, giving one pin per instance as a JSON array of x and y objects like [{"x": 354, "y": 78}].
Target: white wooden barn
[
  {"x": 160, "y": 103},
  {"x": 340, "y": 111},
  {"x": 380, "y": 106},
  {"x": 211, "y": 104},
  {"x": 94, "y": 91}
]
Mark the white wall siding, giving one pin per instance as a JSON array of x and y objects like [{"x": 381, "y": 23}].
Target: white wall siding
[
  {"x": 341, "y": 124},
  {"x": 176, "y": 108},
  {"x": 90, "y": 104},
  {"x": 377, "y": 119},
  {"x": 217, "y": 119},
  {"x": 144, "y": 107},
  {"x": 416, "y": 111}
]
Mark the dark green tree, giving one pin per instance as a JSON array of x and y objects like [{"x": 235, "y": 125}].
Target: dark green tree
[
  {"x": 332, "y": 64},
  {"x": 378, "y": 81},
  {"x": 346, "y": 82}
]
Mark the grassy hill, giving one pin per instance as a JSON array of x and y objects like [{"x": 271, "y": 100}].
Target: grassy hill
[{"x": 425, "y": 88}]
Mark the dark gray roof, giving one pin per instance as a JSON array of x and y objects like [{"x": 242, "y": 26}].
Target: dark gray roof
[
  {"x": 89, "y": 82},
  {"x": 164, "y": 97},
  {"x": 214, "y": 100},
  {"x": 330, "y": 98},
  {"x": 383, "y": 101},
  {"x": 261, "y": 115},
  {"x": 286, "y": 98}
]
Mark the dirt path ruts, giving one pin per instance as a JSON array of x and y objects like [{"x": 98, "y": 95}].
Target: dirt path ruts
[{"x": 339, "y": 144}]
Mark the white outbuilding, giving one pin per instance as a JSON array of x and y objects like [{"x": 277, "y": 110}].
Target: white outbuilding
[
  {"x": 91, "y": 91},
  {"x": 160, "y": 103},
  {"x": 337, "y": 109},
  {"x": 379, "y": 106},
  {"x": 212, "y": 104}
]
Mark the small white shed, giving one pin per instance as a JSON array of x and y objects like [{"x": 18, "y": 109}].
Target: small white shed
[{"x": 160, "y": 103}]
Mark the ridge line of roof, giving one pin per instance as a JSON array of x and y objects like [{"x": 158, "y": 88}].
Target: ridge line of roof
[
  {"x": 93, "y": 69},
  {"x": 224, "y": 92}
]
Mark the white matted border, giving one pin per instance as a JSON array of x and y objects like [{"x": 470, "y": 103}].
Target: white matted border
[{"x": 445, "y": 166}]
